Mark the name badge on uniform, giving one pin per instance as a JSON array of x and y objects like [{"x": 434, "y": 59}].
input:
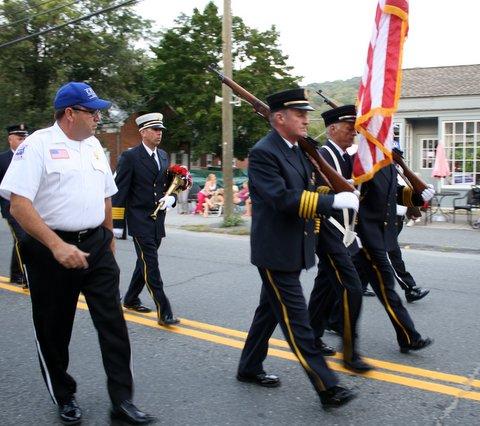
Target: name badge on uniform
[
  {"x": 97, "y": 161},
  {"x": 59, "y": 154}
]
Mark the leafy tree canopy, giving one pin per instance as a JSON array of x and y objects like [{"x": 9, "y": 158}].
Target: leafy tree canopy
[
  {"x": 100, "y": 50},
  {"x": 180, "y": 85}
]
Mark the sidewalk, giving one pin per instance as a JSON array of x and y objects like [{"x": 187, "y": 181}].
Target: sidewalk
[{"x": 441, "y": 236}]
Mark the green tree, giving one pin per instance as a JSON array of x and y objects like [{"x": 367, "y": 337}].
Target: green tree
[
  {"x": 180, "y": 84},
  {"x": 100, "y": 50}
]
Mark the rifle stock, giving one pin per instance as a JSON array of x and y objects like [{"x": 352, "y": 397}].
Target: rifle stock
[
  {"x": 416, "y": 183},
  {"x": 333, "y": 179}
]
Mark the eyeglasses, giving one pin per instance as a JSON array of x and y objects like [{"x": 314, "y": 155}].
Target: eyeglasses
[{"x": 92, "y": 112}]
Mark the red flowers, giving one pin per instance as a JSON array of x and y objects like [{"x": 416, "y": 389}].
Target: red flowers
[{"x": 180, "y": 176}]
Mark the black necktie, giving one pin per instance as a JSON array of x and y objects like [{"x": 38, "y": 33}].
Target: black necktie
[
  {"x": 297, "y": 152},
  {"x": 154, "y": 160},
  {"x": 348, "y": 165}
]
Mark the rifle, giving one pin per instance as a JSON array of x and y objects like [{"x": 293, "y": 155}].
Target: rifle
[
  {"x": 333, "y": 179},
  {"x": 327, "y": 100},
  {"x": 412, "y": 180}
]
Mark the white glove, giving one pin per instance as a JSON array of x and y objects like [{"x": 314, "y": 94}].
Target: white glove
[
  {"x": 350, "y": 181},
  {"x": 166, "y": 202},
  {"x": 117, "y": 232},
  {"x": 345, "y": 200},
  {"x": 401, "y": 210},
  {"x": 428, "y": 193}
]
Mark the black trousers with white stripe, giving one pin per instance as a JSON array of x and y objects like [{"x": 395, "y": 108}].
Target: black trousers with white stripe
[
  {"x": 147, "y": 272},
  {"x": 282, "y": 302},
  {"x": 404, "y": 278},
  {"x": 54, "y": 292}
]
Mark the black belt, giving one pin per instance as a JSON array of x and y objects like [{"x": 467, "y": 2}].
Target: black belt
[{"x": 77, "y": 236}]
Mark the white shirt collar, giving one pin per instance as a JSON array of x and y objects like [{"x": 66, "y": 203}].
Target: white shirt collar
[
  {"x": 150, "y": 152},
  {"x": 290, "y": 144},
  {"x": 340, "y": 150},
  {"x": 61, "y": 137}
]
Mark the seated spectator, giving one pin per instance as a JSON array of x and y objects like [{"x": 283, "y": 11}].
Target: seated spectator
[
  {"x": 205, "y": 193},
  {"x": 214, "y": 203},
  {"x": 244, "y": 196}
]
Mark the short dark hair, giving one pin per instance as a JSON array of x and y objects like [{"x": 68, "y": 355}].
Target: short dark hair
[{"x": 59, "y": 113}]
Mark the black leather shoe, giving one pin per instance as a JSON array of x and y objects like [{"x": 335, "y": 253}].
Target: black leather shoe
[
  {"x": 357, "y": 365},
  {"x": 416, "y": 346},
  {"x": 336, "y": 396},
  {"x": 368, "y": 293},
  {"x": 18, "y": 279},
  {"x": 416, "y": 293},
  {"x": 168, "y": 320},
  {"x": 128, "y": 413},
  {"x": 324, "y": 348},
  {"x": 262, "y": 379},
  {"x": 331, "y": 330},
  {"x": 70, "y": 413},
  {"x": 138, "y": 308}
]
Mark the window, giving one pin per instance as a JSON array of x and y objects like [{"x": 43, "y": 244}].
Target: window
[
  {"x": 429, "y": 147},
  {"x": 462, "y": 144}
]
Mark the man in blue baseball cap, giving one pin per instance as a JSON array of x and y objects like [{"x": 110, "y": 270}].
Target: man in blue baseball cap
[{"x": 59, "y": 185}]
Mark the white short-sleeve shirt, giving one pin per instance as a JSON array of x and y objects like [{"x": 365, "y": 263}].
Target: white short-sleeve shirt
[{"x": 66, "y": 180}]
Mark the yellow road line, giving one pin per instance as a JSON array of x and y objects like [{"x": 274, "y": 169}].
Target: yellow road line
[
  {"x": 400, "y": 368},
  {"x": 149, "y": 320}
]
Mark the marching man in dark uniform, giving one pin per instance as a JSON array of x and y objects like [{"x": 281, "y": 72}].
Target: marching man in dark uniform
[
  {"x": 141, "y": 178},
  {"x": 284, "y": 204},
  {"x": 16, "y": 135},
  {"x": 377, "y": 229},
  {"x": 60, "y": 184},
  {"x": 337, "y": 278}
]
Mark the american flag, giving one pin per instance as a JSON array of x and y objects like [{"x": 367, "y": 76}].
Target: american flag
[
  {"x": 380, "y": 89},
  {"x": 59, "y": 154}
]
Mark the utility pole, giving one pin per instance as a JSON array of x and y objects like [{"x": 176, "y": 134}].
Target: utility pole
[{"x": 227, "y": 113}]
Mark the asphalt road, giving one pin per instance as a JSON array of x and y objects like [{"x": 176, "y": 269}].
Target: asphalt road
[{"x": 186, "y": 375}]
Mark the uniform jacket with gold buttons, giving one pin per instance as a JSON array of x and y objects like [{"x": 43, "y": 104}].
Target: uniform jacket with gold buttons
[
  {"x": 284, "y": 204},
  {"x": 140, "y": 185}
]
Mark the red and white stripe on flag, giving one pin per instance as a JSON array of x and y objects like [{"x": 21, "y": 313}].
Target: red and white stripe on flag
[{"x": 380, "y": 89}]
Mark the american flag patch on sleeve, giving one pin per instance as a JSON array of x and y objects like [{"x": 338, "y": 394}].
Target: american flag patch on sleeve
[{"x": 59, "y": 154}]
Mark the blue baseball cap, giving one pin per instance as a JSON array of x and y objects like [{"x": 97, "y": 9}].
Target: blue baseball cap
[{"x": 77, "y": 93}]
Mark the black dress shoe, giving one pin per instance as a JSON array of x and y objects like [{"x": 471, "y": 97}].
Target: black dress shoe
[
  {"x": 168, "y": 320},
  {"x": 128, "y": 413},
  {"x": 138, "y": 308},
  {"x": 416, "y": 346},
  {"x": 324, "y": 348},
  {"x": 262, "y": 379},
  {"x": 368, "y": 293},
  {"x": 336, "y": 396},
  {"x": 70, "y": 413},
  {"x": 18, "y": 279},
  {"x": 357, "y": 365},
  {"x": 416, "y": 293}
]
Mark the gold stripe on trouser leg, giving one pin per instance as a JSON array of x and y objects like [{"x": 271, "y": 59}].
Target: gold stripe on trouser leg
[
  {"x": 157, "y": 304},
  {"x": 297, "y": 352},
  {"x": 347, "y": 327},
  {"x": 16, "y": 244},
  {"x": 384, "y": 296}
]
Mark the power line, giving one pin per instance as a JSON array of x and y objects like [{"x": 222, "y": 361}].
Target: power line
[
  {"x": 45, "y": 12},
  {"x": 74, "y": 21}
]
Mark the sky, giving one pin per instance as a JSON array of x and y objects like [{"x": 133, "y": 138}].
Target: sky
[{"x": 328, "y": 40}]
